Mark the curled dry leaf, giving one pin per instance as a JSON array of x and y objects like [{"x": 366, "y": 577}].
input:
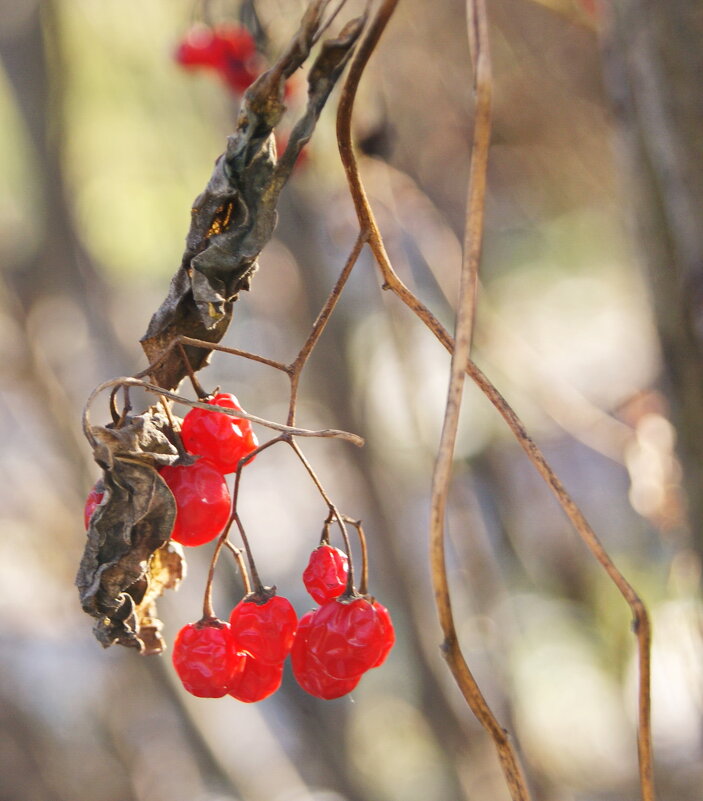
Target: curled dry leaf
[
  {"x": 235, "y": 215},
  {"x": 128, "y": 559}
]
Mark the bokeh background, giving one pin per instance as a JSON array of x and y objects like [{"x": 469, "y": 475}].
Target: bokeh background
[{"x": 104, "y": 142}]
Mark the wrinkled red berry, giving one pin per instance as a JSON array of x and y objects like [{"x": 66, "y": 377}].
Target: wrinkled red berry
[
  {"x": 92, "y": 502},
  {"x": 309, "y": 672},
  {"x": 346, "y": 637},
  {"x": 264, "y": 630},
  {"x": 325, "y": 577},
  {"x": 218, "y": 437},
  {"x": 202, "y": 501},
  {"x": 257, "y": 680},
  {"x": 205, "y": 660},
  {"x": 387, "y": 635}
]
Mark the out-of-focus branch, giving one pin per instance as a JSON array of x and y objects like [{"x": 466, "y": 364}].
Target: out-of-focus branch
[{"x": 653, "y": 65}]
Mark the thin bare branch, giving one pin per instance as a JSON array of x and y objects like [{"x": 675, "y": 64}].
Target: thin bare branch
[
  {"x": 392, "y": 282},
  {"x": 355, "y": 439},
  {"x": 296, "y": 368},
  {"x": 333, "y": 510},
  {"x": 180, "y": 341}
]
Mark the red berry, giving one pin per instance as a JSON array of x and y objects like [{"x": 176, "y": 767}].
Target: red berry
[
  {"x": 202, "y": 501},
  {"x": 346, "y": 637},
  {"x": 198, "y": 49},
  {"x": 230, "y": 50},
  {"x": 264, "y": 630},
  {"x": 216, "y": 436},
  {"x": 257, "y": 680},
  {"x": 309, "y": 672},
  {"x": 387, "y": 633},
  {"x": 205, "y": 660},
  {"x": 325, "y": 577},
  {"x": 92, "y": 502},
  {"x": 236, "y": 41}
]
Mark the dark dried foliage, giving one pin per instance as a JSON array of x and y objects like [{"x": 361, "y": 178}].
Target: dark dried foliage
[
  {"x": 235, "y": 216},
  {"x": 128, "y": 559}
]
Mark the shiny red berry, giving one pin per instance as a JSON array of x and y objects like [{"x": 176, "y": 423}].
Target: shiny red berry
[
  {"x": 325, "y": 577},
  {"x": 92, "y": 502},
  {"x": 387, "y": 635},
  {"x": 202, "y": 501},
  {"x": 346, "y": 637},
  {"x": 257, "y": 680},
  {"x": 205, "y": 660},
  {"x": 309, "y": 672},
  {"x": 264, "y": 630},
  {"x": 218, "y": 437}
]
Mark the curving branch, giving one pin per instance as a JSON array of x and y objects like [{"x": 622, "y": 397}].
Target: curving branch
[{"x": 461, "y": 363}]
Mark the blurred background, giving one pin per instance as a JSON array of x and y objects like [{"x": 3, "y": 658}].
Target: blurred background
[{"x": 105, "y": 140}]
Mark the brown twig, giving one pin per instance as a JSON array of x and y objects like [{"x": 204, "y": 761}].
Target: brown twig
[
  {"x": 234, "y": 515},
  {"x": 334, "y": 512},
  {"x": 296, "y": 367},
  {"x": 181, "y": 340},
  {"x": 355, "y": 439},
  {"x": 241, "y": 564},
  {"x": 441, "y": 478},
  {"x": 208, "y": 611},
  {"x": 364, "y": 580},
  {"x": 392, "y": 282}
]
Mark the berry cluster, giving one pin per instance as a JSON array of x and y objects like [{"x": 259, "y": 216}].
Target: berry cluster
[
  {"x": 344, "y": 637},
  {"x": 203, "y": 502},
  {"x": 331, "y": 646},
  {"x": 243, "y": 658},
  {"x": 229, "y": 50}
]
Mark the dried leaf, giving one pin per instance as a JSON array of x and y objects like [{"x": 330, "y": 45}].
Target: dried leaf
[
  {"x": 235, "y": 216},
  {"x": 120, "y": 576}
]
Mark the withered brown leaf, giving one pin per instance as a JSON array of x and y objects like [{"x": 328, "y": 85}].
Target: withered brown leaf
[
  {"x": 234, "y": 217},
  {"x": 124, "y": 566}
]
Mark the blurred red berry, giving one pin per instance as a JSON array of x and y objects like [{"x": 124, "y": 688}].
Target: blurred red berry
[
  {"x": 309, "y": 672},
  {"x": 202, "y": 501},
  {"x": 346, "y": 637},
  {"x": 257, "y": 680},
  {"x": 205, "y": 660},
  {"x": 219, "y": 437},
  {"x": 227, "y": 49},
  {"x": 92, "y": 502},
  {"x": 325, "y": 577},
  {"x": 264, "y": 630}
]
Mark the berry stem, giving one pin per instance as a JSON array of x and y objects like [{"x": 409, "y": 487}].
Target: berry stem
[
  {"x": 296, "y": 367},
  {"x": 363, "y": 582},
  {"x": 199, "y": 391},
  {"x": 325, "y": 538},
  {"x": 242, "y": 565},
  {"x": 208, "y": 611},
  {"x": 333, "y": 511},
  {"x": 258, "y": 585}
]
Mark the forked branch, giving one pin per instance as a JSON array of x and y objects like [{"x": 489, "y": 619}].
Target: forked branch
[{"x": 461, "y": 364}]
